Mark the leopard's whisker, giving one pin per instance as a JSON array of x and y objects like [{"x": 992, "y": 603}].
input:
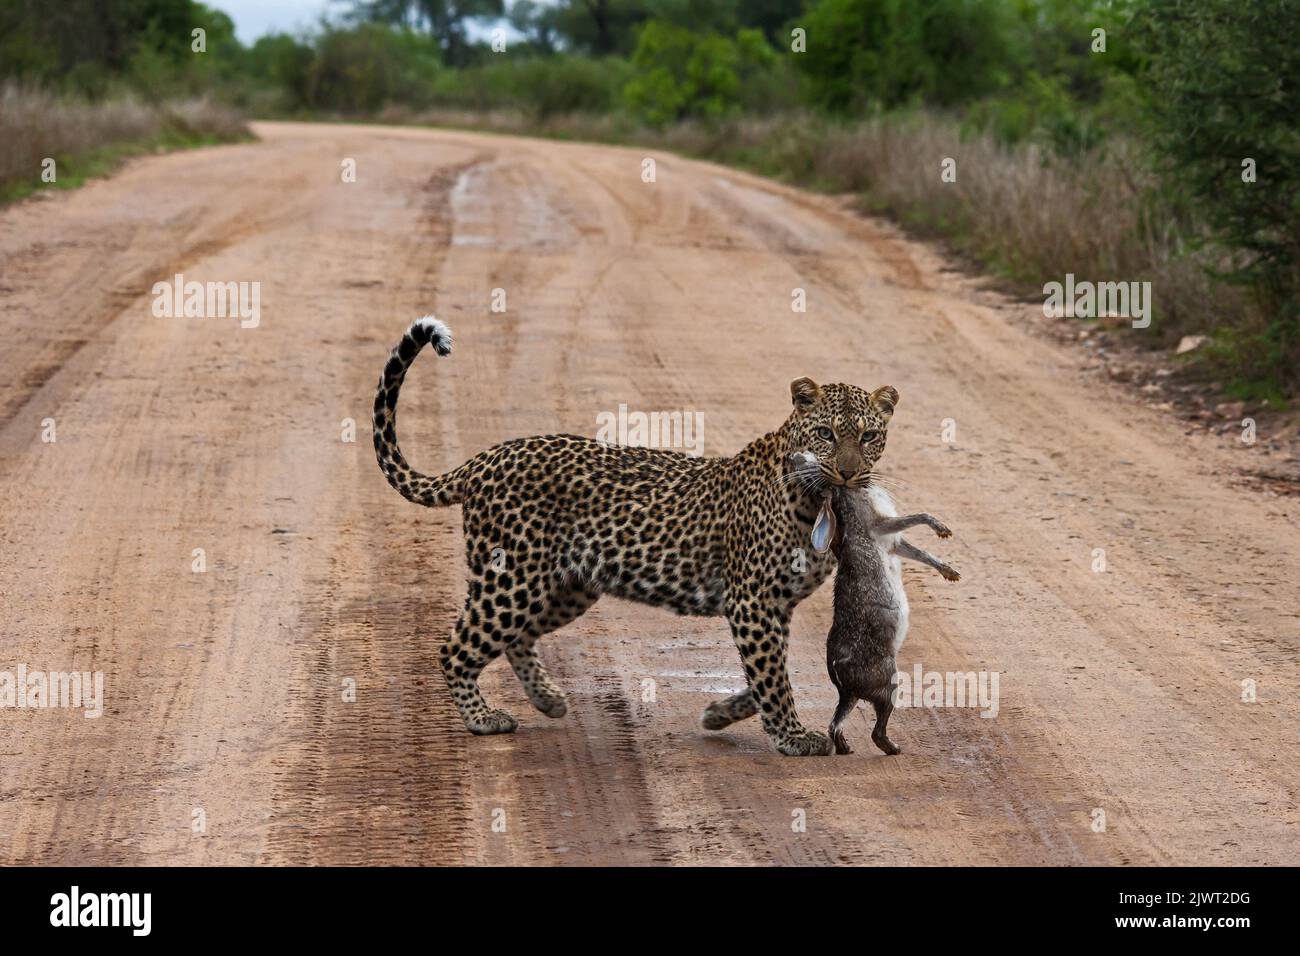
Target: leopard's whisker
[
  {"x": 887, "y": 481},
  {"x": 790, "y": 479},
  {"x": 886, "y": 477}
]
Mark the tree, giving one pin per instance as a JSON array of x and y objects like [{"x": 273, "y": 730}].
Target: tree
[
  {"x": 681, "y": 73},
  {"x": 360, "y": 69},
  {"x": 284, "y": 63},
  {"x": 444, "y": 19},
  {"x": 537, "y": 22},
  {"x": 1224, "y": 77},
  {"x": 83, "y": 42},
  {"x": 870, "y": 53},
  {"x": 600, "y": 27},
  {"x": 774, "y": 17}
]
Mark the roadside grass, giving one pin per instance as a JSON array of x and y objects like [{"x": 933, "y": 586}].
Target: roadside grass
[{"x": 86, "y": 140}]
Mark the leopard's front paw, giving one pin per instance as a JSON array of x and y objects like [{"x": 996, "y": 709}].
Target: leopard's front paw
[
  {"x": 805, "y": 743},
  {"x": 491, "y": 722}
]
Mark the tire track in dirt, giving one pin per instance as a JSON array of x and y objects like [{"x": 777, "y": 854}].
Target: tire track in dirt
[
  {"x": 381, "y": 774},
  {"x": 96, "y": 292},
  {"x": 559, "y": 796}
]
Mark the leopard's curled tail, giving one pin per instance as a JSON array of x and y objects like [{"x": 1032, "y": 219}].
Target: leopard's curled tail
[{"x": 431, "y": 491}]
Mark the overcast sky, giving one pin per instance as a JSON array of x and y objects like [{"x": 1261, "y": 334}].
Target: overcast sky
[{"x": 255, "y": 18}]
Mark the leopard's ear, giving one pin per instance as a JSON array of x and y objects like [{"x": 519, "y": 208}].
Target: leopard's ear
[
  {"x": 885, "y": 398},
  {"x": 804, "y": 393}
]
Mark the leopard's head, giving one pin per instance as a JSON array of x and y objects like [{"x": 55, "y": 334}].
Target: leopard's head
[{"x": 842, "y": 426}]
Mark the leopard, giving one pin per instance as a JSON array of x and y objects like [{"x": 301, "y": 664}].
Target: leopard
[{"x": 552, "y": 523}]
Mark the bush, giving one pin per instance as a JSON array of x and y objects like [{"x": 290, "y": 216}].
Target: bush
[
  {"x": 282, "y": 64},
  {"x": 359, "y": 70},
  {"x": 1223, "y": 77},
  {"x": 539, "y": 86},
  {"x": 680, "y": 74},
  {"x": 865, "y": 54},
  {"x": 569, "y": 84}
]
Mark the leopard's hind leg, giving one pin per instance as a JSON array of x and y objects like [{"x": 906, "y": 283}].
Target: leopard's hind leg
[
  {"x": 482, "y": 633},
  {"x": 502, "y": 606},
  {"x": 559, "y": 609}
]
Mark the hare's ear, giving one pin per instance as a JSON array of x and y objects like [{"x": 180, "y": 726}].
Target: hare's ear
[
  {"x": 804, "y": 393},
  {"x": 885, "y": 398}
]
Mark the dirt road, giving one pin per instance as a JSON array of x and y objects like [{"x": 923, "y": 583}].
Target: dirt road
[{"x": 228, "y": 733}]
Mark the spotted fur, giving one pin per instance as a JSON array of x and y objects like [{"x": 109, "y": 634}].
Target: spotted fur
[{"x": 555, "y": 521}]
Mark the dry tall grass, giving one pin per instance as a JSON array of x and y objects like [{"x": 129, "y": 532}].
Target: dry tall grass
[
  {"x": 1031, "y": 213},
  {"x": 36, "y": 124}
]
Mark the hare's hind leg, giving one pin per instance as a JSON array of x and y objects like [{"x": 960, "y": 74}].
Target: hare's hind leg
[
  {"x": 846, "y": 705},
  {"x": 884, "y": 705}
]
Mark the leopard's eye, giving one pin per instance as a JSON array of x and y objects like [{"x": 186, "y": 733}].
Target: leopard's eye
[
  {"x": 869, "y": 437},
  {"x": 825, "y": 434}
]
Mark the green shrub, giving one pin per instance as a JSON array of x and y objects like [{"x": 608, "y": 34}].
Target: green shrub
[
  {"x": 284, "y": 64},
  {"x": 359, "y": 70},
  {"x": 864, "y": 54},
  {"x": 681, "y": 74},
  {"x": 539, "y": 86},
  {"x": 1039, "y": 109}
]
